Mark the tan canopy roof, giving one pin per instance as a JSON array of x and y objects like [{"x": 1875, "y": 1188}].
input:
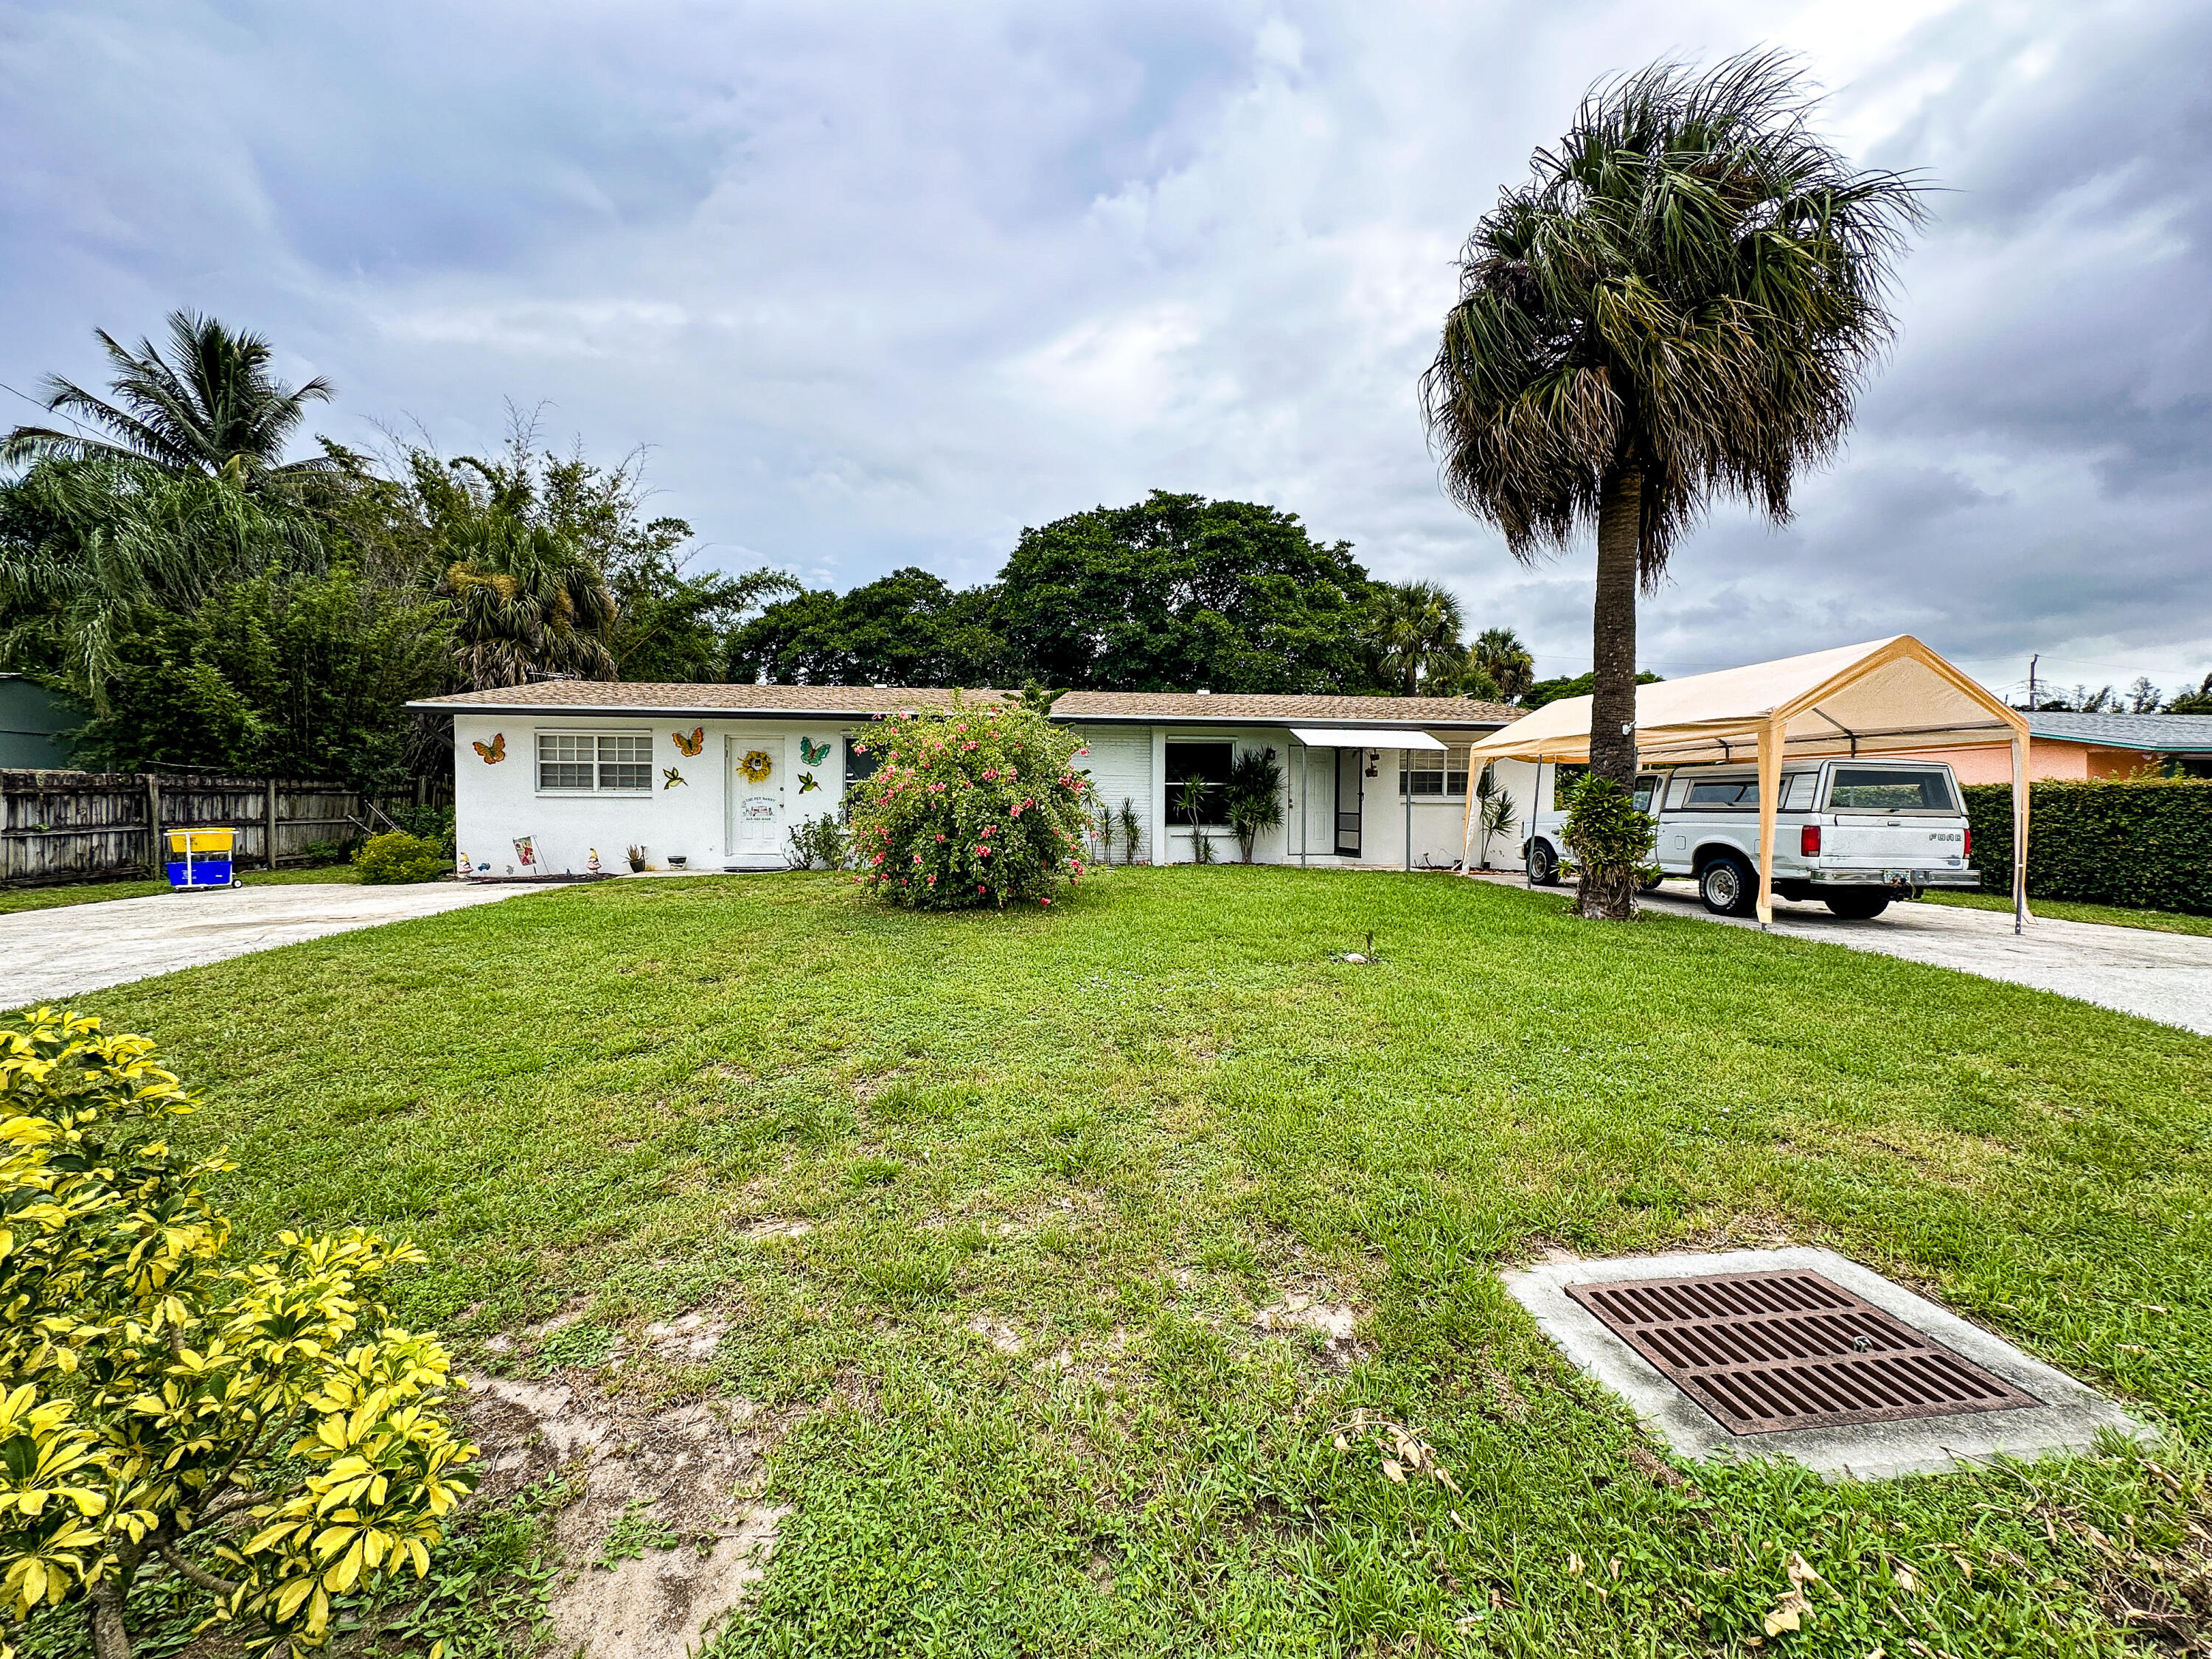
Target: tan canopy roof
[
  {"x": 1855, "y": 699},
  {"x": 1884, "y": 696}
]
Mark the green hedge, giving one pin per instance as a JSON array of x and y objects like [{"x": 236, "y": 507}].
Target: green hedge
[{"x": 2145, "y": 843}]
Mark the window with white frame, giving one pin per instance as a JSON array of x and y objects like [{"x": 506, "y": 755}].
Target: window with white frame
[
  {"x": 595, "y": 763},
  {"x": 1434, "y": 773}
]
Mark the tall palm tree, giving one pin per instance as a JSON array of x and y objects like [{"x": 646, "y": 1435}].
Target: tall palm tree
[
  {"x": 210, "y": 406},
  {"x": 1416, "y": 633},
  {"x": 1679, "y": 305},
  {"x": 1498, "y": 652}
]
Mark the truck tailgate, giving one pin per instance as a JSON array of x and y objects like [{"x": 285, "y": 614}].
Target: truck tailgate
[{"x": 1895, "y": 846}]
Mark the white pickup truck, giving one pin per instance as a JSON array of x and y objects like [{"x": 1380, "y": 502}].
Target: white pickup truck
[{"x": 1852, "y": 833}]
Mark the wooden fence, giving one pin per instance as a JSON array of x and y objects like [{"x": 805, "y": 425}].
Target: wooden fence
[{"x": 87, "y": 826}]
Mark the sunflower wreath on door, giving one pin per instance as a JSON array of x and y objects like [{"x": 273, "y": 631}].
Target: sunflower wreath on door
[{"x": 755, "y": 766}]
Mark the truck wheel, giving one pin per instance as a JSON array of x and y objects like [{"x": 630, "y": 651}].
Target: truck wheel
[
  {"x": 1727, "y": 887},
  {"x": 1858, "y": 904},
  {"x": 1543, "y": 865}
]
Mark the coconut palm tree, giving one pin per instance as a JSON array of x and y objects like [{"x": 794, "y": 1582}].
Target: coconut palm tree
[
  {"x": 1679, "y": 305},
  {"x": 210, "y": 406},
  {"x": 1416, "y": 634},
  {"x": 1498, "y": 652}
]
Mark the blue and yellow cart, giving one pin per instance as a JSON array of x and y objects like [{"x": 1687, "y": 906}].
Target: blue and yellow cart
[{"x": 201, "y": 858}]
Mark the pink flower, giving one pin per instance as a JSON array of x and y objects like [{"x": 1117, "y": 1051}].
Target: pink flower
[{"x": 932, "y": 881}]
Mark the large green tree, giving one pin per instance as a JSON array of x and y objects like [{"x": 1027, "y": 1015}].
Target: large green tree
[
  {"x": 209, "y": 405},
  {"x": 909, "y": 627},
  {"x": 1678, "y": 306},
  {"x": 1179, "y": 592}
]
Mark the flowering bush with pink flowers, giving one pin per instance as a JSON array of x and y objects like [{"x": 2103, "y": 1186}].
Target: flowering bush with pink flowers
[{"x": 981, "y": 805}]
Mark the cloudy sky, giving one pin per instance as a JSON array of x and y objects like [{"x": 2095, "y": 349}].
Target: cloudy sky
[{"x": 881, "y": 285}]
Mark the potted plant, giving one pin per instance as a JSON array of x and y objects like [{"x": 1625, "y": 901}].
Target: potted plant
[{"x": 636, "y": 859}]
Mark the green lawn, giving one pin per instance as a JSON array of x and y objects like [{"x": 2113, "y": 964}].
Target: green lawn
[
  {"x": 2112, "y": 915},
  {"x": 13, "y": 899},
  {"x": 1117, "y": 1130}
]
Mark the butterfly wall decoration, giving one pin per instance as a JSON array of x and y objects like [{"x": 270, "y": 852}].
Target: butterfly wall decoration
[
  {"x": 813, "y": 753},
  {"x": 494, "y": 751},
  {"x": 692, "y": 745},
  {"x": 807, "y": 781},
  {"x": 670, "y": 777}
]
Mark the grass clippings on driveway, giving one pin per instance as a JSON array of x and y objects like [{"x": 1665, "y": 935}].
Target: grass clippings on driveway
[{"x": 990, "y": 1208}]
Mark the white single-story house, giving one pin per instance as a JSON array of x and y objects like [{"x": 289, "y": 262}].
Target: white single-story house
[{"x": 566, "y": 776}]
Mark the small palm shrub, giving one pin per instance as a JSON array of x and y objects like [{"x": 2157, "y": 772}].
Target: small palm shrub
[
  {"x": 977, "y": 806},
  {"x": 255, "y": 1425},
  {"x": 401, "y": 857},
  {"x": 1612, "y": 844},
  {"x": 1255, "y": 797}
]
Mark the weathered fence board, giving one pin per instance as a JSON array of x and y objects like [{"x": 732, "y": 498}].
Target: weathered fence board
[{"x": 83, "y": 826}]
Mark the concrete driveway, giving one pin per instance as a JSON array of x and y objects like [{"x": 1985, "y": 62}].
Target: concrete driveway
[
  {"x": 45, "y": 955},
  {"x": 2167, "y": 977}
]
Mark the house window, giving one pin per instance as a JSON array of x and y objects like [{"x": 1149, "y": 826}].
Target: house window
[
  {"x": 1434, "y": 773},
  {"x": 858, "y": 765},
  {"x": 594, "y": 763},
  {"x": 1209, "y": 763}
]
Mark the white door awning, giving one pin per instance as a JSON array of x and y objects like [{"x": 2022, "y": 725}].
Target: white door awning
[{"x": 1351, "y": 737}]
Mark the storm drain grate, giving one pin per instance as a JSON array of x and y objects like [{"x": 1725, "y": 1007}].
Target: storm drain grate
[{"x": 1763, "y": 1352}]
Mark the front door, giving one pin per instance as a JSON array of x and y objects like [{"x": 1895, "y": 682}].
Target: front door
[
  {"x": 1349, "y": 785},
  {"x": 752, "y": 783}
]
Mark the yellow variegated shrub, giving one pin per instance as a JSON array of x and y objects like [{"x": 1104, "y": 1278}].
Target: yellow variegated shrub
[{"x": 159, "y": 1399}]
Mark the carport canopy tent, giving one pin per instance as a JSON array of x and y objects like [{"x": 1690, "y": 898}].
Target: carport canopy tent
[{"x": 1882, "y": 697}]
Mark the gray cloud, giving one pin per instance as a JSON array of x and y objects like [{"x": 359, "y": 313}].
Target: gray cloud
[{"x": 881, "y": 286}]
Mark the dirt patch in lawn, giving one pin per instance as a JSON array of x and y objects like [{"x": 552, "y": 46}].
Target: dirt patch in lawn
[{"x": 668, "y": 1530}]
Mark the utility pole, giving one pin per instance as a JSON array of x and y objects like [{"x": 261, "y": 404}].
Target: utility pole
[{"x": 2032, "y": 661}]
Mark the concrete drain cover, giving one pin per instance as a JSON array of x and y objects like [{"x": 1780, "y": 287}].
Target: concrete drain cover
[{"x": 1806, "y": 1354}]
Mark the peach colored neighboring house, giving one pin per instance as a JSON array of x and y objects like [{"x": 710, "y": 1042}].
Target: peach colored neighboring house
[{"x": 2079, "y": 747}]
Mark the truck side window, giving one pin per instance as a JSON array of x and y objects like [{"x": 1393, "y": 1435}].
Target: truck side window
[
  {"x": 1724, "y": 792},
  {"x": 1797, "y": 793},
  {"x": 1647, "y": 790}
]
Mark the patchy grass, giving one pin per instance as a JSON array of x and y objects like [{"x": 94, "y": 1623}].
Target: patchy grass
[
  {"x": 989, "y": 1207},
  {"x": 2112, "y": 915},
  {"x": 13, "y": 899}
]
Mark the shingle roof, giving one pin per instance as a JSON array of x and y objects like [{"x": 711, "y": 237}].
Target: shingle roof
[
  {"x": 703, "y": 698},
  {"x": 1169, "y": 707},
  {"x": 1174, "y": 706},
  {"x": 2164, "y": 734}
]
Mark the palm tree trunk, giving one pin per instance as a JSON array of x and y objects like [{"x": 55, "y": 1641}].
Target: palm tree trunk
[{"x": 1613, "y": 629}]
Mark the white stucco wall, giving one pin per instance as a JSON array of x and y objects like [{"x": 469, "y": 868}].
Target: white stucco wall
[
  {"x": 701, "y": 819},
  {"x": 495, "y": 804}
]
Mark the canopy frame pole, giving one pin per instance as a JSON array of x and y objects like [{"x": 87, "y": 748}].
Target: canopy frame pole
[
  {"x": 1770, "y": 788},
  {"x": 2019, "y": 831},
  {"x": 1466, "y": 819},
  {"x": 1305, "y": 783}
]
